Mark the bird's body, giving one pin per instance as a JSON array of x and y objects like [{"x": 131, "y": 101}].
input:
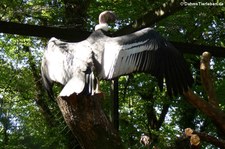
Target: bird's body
[
  {"x": 67, "y": 64},
  {"x": 77, "y": 65}
]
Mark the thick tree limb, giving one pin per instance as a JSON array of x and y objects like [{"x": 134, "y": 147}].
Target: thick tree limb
[
  {"x": 204, "y": 137},
  {"x": 87, "y": 121},
  {"x": 71, "y": 34},
  {"x": 197, "y": 49},
  {"x": 148, "y": 19},
  {"x": 168, "y": 8},
  {"x": 213, "y": 113},
  {"x": 213, "y": 140},
  {"x": 42, "y": 31}
]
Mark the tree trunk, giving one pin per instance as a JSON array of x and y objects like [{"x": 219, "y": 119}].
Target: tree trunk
[
  {"x": 87, "y": 121},
  {"x": 39, "y": 90}
]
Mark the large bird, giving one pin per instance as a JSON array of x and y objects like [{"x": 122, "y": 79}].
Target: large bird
[{"x": 78, "y": 65}]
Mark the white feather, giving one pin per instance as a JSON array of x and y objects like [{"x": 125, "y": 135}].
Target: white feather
[
  {"x": 120, "y": 59},
  {"x": 75, "y": 85},
  {"x": 103, "y": 26},
  {"x": 55, "y": 59},
  {"x": 68, "y": 67},
  {"x": 111, "y": 51}
]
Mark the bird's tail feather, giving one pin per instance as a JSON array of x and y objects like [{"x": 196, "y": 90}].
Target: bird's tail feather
[
  {"x": 85, "y": 83},
  {"x": 75, "y": 85},
  {"x": 90, "y": 82}
]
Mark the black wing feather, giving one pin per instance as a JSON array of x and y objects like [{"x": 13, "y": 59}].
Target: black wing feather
[{"x": 147, "y": 51}]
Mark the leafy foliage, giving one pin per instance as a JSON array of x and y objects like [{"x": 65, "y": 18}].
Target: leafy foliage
[{"x": 23, "y": 124}]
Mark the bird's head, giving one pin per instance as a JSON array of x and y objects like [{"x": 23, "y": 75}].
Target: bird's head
[{"x": 104, "y": 18}]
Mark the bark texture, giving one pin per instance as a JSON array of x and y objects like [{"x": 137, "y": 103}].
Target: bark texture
[{"x": 87, "y": 121}]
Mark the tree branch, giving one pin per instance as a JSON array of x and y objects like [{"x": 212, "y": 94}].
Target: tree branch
[
  {"x": 207, "y": 80},
  {"x": 168, "y": 8},
  {"x": 213, "y": 113},
  {"x": 213, "y": 140},
  {"x": 71, "y": 34},
  {"x": 42, "y": 31},
  {"x": 208, "y": 108},
  {"x": 197, "y": 49},
  {"x": 205, "y": 137},
  {"x": 162, "y": 115}
]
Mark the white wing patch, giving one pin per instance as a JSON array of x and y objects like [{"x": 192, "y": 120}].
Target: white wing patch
[
  {"x": 67, "y": 63},
  {"x": 111, "y": 52},
  {"x": 122, "y": 59},
  {"x": 128, "y": 57},
  {"x": 55, "y": 60}
]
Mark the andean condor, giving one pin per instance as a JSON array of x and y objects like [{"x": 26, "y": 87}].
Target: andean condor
[{"x": 77, "y": 65}]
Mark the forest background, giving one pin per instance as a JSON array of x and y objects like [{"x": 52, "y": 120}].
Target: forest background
[{"x": 28, "y": 119}]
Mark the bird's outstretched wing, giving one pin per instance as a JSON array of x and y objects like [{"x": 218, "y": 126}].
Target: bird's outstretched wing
[
  {"x": 69, "y": 64},
  {"x": 146, "y": 51}
]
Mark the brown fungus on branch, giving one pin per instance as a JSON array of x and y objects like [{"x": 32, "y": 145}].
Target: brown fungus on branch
[
  {"x": 188, "y": 132},
  {"x": 145, "y": 140},
  {"x": 195, "y": 140}
]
